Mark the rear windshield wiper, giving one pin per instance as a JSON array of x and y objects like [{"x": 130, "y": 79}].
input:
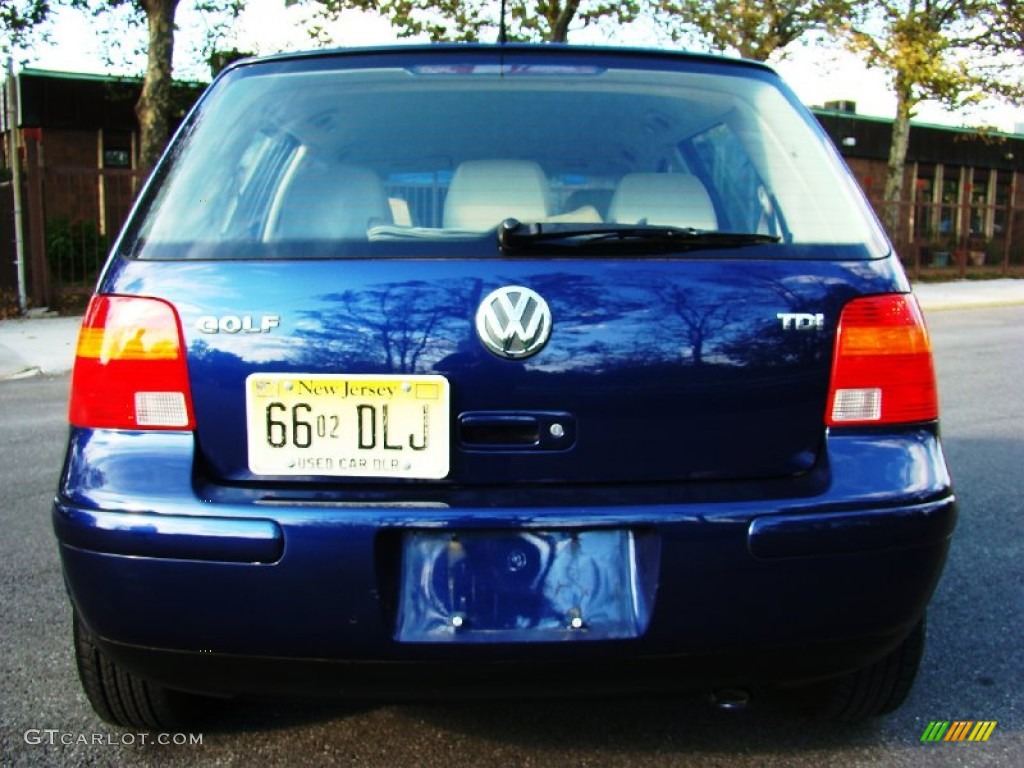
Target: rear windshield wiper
[{"x": 515, "y": 235}]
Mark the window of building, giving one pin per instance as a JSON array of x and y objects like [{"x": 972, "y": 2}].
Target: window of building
[
  {"x": 981, "y": 218},
  {"x": 924, "y": 197},
  {"x": 117, "y": 149},
  {"x": 950, "y": 201}
]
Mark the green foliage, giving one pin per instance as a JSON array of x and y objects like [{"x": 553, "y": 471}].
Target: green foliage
[
  {"x": 220, "y": 59},
  {"x": 957, "y": 52},
  {"x": 751, "y": 28},
  {"x": 75, "y": 250},
  {"x": 9, "y": 306},
  {"x": 953, "y": 51},
  {"x": 18, "y": 18},
  {"x": 478, "y": 20}
]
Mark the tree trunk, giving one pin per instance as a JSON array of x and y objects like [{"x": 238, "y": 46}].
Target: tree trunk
[
  {"x": 154, "y": 106},
  {"x": 893, "y": 195},
  {"x": 560, "y": 26}
]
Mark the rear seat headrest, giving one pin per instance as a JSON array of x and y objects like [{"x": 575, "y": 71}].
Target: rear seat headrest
[
  {"x": 485, "y": 192},
  {"x": 330, "y": 202},
  {"x": 670, "y": 199}
]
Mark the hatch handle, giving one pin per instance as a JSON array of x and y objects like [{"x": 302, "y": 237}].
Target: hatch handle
[{"x": 516, "y": 430}]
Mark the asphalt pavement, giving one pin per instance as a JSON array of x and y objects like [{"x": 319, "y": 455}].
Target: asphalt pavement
[
  {"x": 46, "y": 345},
  {"x": 973, "y": 667}
]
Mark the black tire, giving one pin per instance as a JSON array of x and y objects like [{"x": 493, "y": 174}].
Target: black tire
[
  {"x": 122, "y": 697},
  {"x": 876, "y": 689}
]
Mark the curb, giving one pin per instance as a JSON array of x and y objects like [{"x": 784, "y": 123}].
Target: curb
[{"x": 27, "y": 373}]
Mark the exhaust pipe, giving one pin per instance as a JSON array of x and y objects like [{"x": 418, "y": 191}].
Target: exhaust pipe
[{"x": 730, "y": 699}]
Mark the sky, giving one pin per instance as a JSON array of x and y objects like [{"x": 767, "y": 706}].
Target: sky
[{"x": 817, "y": 73}]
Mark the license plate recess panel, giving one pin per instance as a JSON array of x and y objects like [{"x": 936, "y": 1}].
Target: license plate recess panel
[
  {"x": 386, "y": 426},
  {"x": 526, "y": 586}
]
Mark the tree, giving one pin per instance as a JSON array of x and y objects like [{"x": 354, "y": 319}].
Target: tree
[
  {"x": 153, "y": 108},
  {"x": 17, "y": 20},
  {"x": 19, "y": 17},
  {"x": 954, "y": 51},
  {"x": 473, "y": 20},
  {"x": 754, "y": 29}
]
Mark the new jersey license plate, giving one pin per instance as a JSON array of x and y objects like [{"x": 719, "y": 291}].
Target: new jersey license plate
[{"x": 348, "y": 425}]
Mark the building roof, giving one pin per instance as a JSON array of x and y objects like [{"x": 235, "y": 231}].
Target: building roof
[
  {"x": 52, "y": 99},
  {"x": 860, "y": 136}
]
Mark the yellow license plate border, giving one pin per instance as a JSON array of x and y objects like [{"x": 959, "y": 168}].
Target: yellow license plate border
[{"x": 434, "y": 464}]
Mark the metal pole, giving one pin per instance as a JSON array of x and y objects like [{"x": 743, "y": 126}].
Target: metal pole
[{"x": 12, "y": 136}]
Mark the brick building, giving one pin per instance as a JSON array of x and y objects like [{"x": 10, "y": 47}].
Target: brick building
[
  {"x": 76, "y": 137},
  {"x": 963, "y": 191}
]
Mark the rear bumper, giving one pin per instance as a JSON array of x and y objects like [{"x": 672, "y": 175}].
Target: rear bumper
[
  {"x": 547, "y": 675},
  {"x": 261, "y": 541},
  {"x": 248, "y": 598}
]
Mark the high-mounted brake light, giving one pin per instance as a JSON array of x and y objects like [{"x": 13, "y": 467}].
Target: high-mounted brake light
[
  {"x": 130, "y": 370},
  {"x": 882, "y": 370}
]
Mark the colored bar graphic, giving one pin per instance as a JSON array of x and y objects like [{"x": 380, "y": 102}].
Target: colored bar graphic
[
  {"x": 982, "y": 731},
  {"x": 958, "y": 730},
  {"x": 935, "y": 731}
]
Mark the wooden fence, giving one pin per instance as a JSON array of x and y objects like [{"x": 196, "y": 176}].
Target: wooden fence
[
  {"x": 957, "y": 240},
  {"x": 74, "y": 214}
]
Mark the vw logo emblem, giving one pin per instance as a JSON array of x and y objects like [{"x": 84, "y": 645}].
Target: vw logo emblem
[{"x": 513, "y": 322}]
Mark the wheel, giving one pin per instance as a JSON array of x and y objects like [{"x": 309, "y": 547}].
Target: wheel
[
  {"x": 876, "y": 689},
  {"x": 122, "y": 697}
]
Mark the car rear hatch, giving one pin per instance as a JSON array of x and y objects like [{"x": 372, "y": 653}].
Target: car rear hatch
[
  {"x": 509, "y": 266},
  {"x": 655, "y": 369}
]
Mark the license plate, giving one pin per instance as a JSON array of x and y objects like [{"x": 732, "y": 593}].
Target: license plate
[
  {"x": 348, "y": 425},
  {"x": 525, "y": 586}
]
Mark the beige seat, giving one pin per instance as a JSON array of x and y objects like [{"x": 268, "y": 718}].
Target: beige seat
[
  {"x": 483, "y": 193},
  {"x": 330, "y": 202},
  {"x": 672, "y": 199}
]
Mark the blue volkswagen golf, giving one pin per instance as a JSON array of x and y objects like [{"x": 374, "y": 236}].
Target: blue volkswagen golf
[{"x": 429, "y": 371}]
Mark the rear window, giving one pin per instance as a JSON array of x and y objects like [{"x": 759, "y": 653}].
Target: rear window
[{"x": 374, "y": 161}]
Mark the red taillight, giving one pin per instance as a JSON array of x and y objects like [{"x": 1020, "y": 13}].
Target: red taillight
[
  {"x": 882, "y": 369},
  {"x": 130, "y": 370}
]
